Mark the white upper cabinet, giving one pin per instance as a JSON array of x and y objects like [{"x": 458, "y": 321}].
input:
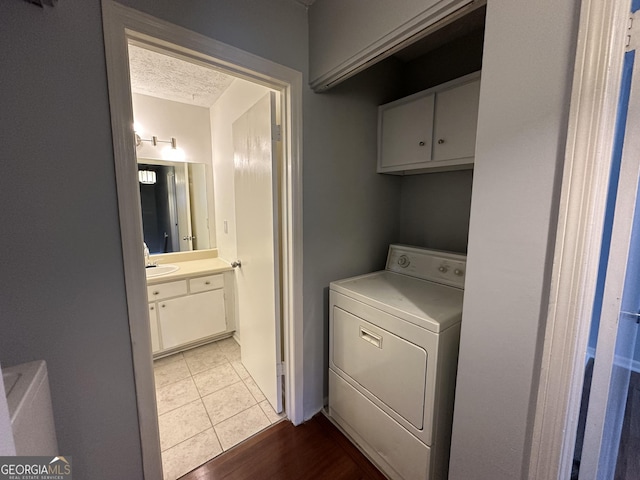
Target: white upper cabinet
[
  {"x": 346, "y": 36},
  {"x": 433, "y": 129}
]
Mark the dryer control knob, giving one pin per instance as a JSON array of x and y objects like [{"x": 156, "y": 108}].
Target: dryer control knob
[
  {"x": 443, "y": 269},
  {"x": 403, "y": 261}
]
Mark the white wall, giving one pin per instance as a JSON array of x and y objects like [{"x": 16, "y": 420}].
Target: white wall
[
  {"x": 62, "y": 297},
  {"x": 189, "y": 124},
  {"x": 236, "y": 100},
  {"x": 524, "y": 102}
]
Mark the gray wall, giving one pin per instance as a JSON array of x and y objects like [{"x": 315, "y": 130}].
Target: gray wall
[
  {"x": 62, "y": 296},
  {"x": 434, "y": 210},
  {"x": 524, "y": 103},
  {"x": 452, "y": 60},
  {"x": 350, "y": 211}
]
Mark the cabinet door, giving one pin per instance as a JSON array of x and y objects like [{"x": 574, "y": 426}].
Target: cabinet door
[
  {"x": 190, "y": 318},
  {"x": 405, "y": 134},
  {"x": 153, "y": 323},
  {"x": 456, "y": 121}
]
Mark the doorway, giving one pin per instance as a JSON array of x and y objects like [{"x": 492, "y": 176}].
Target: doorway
[
  {"x": 124, "y": 26},
  {"x": 209, "y": 189}
]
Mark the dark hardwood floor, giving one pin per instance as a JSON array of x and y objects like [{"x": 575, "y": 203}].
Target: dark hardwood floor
[
  {"x": 628, "y": 463},
  {"x": 315, "y": 450}
]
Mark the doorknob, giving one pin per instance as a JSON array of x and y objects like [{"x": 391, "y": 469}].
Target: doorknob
[{"x": 236, "y": 264}]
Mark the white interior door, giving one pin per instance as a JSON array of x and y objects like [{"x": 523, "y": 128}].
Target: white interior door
[{"x": 258, "y": 284}]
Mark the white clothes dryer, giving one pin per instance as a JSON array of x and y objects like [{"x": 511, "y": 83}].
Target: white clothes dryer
[{"x": 393, "y": 353}]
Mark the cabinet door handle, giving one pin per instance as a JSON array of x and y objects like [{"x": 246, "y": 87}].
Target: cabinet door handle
[
  {"x": 440, "y": 141},
  {"x": 163, "y": 305},
  {"x": 151, "y": 308},
  {"x": 421, "y": 144}
]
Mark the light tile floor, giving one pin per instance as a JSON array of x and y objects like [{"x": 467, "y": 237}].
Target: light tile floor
[{"x": 207, "y": 403}]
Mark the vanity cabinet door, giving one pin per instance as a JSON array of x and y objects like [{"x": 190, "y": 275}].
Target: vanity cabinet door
[
  {"x": 153, "y": 322},
  {"x": 456, "y": 122},
  {"x": 191, "y": 318}
]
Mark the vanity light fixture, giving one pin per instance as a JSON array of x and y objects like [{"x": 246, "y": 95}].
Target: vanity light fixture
[
  {"x": 154, "y": 140},
  {"x": 172, "y": 152},
  {"x": 147, "y": 177}
]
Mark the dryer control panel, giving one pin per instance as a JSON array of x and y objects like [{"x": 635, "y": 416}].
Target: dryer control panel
[{"x": 434, "y": 265}]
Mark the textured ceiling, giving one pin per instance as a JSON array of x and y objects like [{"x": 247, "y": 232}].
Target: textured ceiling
[{"x": 162, "y": 76}]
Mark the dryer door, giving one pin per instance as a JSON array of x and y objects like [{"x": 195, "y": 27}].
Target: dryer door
[{"x": 391, "y": 368}]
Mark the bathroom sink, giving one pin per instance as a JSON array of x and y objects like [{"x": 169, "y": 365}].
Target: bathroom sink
[{"x": 161, "y": 270}]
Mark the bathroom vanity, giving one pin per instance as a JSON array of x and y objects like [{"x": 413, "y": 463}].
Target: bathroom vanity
[{"x": 191, "y": 305}]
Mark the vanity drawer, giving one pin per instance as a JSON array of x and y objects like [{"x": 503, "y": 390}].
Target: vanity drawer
[
  {"x": 202, "y": 284},
  {"x": 166, "y": 290}
]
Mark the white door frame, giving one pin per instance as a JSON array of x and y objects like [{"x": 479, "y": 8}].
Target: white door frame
[
  {"x": 120, "y": 25},
  {"x": 585, "y": 181}
]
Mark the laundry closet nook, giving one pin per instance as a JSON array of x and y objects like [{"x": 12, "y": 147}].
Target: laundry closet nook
[
  {"x": 393, "y": 334},
  {"x": 502, "y": 213}
]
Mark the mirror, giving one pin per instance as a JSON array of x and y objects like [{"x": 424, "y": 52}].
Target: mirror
[{"x": 175, "y": 205}]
